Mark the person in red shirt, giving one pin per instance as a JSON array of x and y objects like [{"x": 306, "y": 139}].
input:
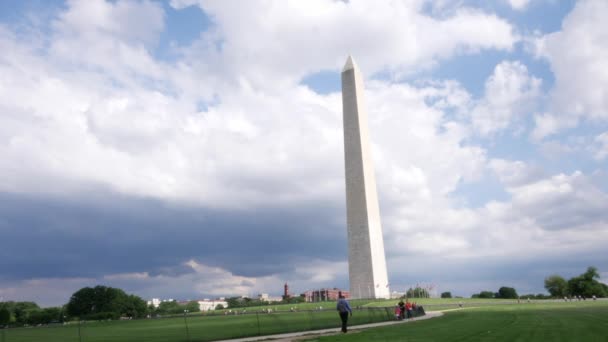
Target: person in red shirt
[{"x": 408, "y": 308}]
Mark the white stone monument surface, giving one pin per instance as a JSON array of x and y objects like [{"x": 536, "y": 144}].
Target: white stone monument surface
[{"x": 366, "y": 259}]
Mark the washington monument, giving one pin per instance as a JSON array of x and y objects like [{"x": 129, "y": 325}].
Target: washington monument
[{"x": 366, "y": 260}]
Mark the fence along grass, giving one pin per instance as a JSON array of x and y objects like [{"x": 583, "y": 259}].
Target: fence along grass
[{"x": 199, "y": 327}]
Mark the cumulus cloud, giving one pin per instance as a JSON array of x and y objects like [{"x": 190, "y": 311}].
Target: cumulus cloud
[
  {"x": 546, "y": 124},
  {"x": 515, "y": 173},
  {"x": 384, "y": 36},
  {"x": 562, "y": 202},
  {"x": 510, "y": 95},
  {"x": 544, "y": 218},
  {"x": 577, "y": 54},
  {"x": 602, "y": 146},
  {"x": 116, "y": 37},
  {"x": 519, "y": 5},
  {"x": 137, "y": 137}
]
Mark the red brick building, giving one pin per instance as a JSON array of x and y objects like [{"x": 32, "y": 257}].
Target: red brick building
[{"x": 325, "y": 295}]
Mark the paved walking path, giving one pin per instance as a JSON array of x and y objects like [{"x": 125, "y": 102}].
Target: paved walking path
[{"x": 313, "y": 333}]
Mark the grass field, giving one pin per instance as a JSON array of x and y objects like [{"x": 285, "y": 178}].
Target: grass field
[
  {"x": 491, "y": 320},
  {"x": 200, "y": 328},
  {"x": 572, "y": 321}
]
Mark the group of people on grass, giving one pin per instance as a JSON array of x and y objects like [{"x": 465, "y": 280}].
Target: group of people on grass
[{"x": 402, "y": 309}]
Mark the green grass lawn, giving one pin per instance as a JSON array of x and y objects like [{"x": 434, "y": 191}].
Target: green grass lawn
[
  {"x": 200, "y": 327},
  {"x": 573, "y": 321},
  {"x": 491, "y": 321},
  {"x": 315, "y": 305}
]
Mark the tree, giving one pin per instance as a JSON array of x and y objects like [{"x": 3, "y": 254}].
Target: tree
[
  {"x": 587, "y": 285},
  {"x": 5, "y": 316},
  {"x": 417, "y": 292},
  {"x": 193, "y": 306},
  {"x": 556, "y": 285},
  {"x": 22, "y": 311},
  {"x": 446, "y": 295},
  {"x": 132, "y": 306},
  {"x": 507, "y": 293},
  {"x": 105, "y": 302},
  {"x": 45, "y": 316},
  {"x": 486, "y": 294},
  {"x": 219, "y": 307},
  {"x": 169, "y": 307},
  {"x": 483, "y": 294},
  {"x": 233, "y": 302},
  {"x": 591, "y": 274}
]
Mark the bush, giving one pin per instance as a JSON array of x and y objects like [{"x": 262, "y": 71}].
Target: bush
[
  {"x": 417, "y": 292},
  {"x": 507, "y": 293},
  {"x": 45, "y": 316},
  {"x": 446, "y": 295},
  {"x": 5, "y": 316},
  {"x": 483, "y": 294}
]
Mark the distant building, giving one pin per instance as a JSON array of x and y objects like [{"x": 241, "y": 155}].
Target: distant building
[
  {"x": 154, "y": 302},
  {"x": 397, "y": 294},
  {"x": 264, "y": 297},
  {"x": 203, "y": 304},
  {"x": 322, "y": 295},
  {"x": 209, "y": 305},
  {"x": 286, "y": 294}
]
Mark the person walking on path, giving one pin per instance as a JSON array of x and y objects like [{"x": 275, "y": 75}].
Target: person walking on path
[{"x": 344, "y": 310}]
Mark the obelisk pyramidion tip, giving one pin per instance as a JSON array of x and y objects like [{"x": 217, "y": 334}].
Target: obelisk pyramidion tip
[{"x": 350, "y": 64}]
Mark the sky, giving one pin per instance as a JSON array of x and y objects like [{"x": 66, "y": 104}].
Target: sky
[{"x": 193, "y": 149}]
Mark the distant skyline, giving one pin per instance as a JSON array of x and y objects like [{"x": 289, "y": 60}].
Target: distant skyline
[{"x": 190, "y": 149}]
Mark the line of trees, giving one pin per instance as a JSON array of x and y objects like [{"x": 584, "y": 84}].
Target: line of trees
[
  {"x": 21, "y": 313},
  {"x": 99, "y": 302},
  {"x": 244, "y": 302},
  {"x": 173, "y": 308},
  {"x": 417, "y": 292},
  {"x": 504, "y": 292},
  {"x": 585, "y": 285}
]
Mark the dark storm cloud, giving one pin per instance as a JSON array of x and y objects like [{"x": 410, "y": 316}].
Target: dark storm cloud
[
  {"x": 108, "y": 234},
  {"x": 174, "y": 271}
]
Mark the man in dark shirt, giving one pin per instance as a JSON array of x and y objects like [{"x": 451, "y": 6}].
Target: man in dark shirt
[
  {"x": 401, "y": 309},
  {"x": 343, "y": 309}
]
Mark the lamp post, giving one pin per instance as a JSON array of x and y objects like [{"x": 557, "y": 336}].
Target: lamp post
[{"x": 186, "y": 323}]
